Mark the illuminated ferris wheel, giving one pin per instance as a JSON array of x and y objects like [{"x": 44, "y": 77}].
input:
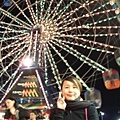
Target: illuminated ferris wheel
[{"x": 63, "y": 37}]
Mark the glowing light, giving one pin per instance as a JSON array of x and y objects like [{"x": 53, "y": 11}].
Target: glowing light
[
  {"x": 102, "y": 113},
  {"x": 27, "y": 62}
]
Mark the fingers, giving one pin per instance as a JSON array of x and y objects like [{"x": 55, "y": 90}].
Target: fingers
[
  {"x": 60, "y": 96},
  {"x": 63, "y": 98}
]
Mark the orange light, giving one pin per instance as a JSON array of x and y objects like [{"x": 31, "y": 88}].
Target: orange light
[{"x": 111, "y": 79}]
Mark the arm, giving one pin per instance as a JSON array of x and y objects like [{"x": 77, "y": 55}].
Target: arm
[
  {"x": 92, "y": 113},
  {"x": 56, "y": 114}
]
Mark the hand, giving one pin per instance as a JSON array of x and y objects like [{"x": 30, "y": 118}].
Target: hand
[{"x": 61, "y": 102}]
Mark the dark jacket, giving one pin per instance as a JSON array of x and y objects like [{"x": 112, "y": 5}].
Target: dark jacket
[
  {"x": 22, "y": 114},
  {"x": 75, "y": 112}
]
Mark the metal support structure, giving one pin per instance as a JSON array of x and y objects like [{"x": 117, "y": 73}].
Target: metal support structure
[
  {"x": 43, "y": 90},
  {"x": 8, "y": 90}
]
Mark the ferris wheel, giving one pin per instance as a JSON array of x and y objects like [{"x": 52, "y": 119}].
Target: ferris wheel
[{"x": 64, "y": 37}]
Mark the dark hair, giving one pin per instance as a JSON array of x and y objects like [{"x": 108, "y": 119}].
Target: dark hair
[
  {"x": 33, "y": 111},
  {"x": 13, "y": 99},
  {"x": 73, "y": 80}
]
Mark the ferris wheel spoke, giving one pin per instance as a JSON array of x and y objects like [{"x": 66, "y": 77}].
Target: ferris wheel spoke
[
  {"x": 61, "y": 12},
  {"x": 87, "y": 29},
  {"x": 104, "y": 31},
  {"x": 4, "y": 70},
  {"x": 81, "y": 57},
  {"x": 10, "y": 79},
  {"x": 32, "y": 13},
  {"x": 103, "y": 49},
  {"x": 91, "y": 42},
  {"x": 16, "y": 58},
  {"x": 70, "y": 68},
  {"x": 14, "y": 18},
  {"x": 87, "y": 15},
  {"x": 101, "y": 6},
  {"x": 5, "y": 25},
  {"x": 42, "y": 6},
  {"x": 13, "y": 51},
  {"x": 55, "y": 10},
  {"x": 67, "y": 15},
  {"x": 101, "y": 21},
  {"x": 46, "y": 66},
  {"x": 9, "y": 30},
  {"x": 17, "y": 6},
  {"x": 86, "y": 46},
  {"x": 72, "y": 19},
  {"x": 47, "y": 13},
  {"x": 12, "y": 45},
  {"x": 37, "y": 11},
  {"x": 13, "y": 36},
  {"x": 53, "y": 65}
]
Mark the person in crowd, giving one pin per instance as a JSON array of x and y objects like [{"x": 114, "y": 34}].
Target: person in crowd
[
  {"x": 69, "y": 105},
  {"x": 47, "y": 114},
  {"x": 15, "y": 111},
  {"x": 41, "y": 115},
  {"x": 33, "y": 115}
]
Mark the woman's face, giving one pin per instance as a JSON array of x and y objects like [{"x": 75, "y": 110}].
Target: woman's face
[
  {"x": 70, "y": 90},
  {"x": 9, "y": 103}
]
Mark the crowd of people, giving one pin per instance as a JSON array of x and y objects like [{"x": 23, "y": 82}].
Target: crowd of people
[
  {"x": 69, "y": 105},
  {"x": 14, "y": 111}
]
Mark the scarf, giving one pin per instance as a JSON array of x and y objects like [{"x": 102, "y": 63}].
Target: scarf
[{"x": 76, "y": 104}]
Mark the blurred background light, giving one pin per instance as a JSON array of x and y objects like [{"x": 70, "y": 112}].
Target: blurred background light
[{"x": 7, "y": 3}]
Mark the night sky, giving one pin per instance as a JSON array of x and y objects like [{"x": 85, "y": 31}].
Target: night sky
[{"x": 110, "y": 98}]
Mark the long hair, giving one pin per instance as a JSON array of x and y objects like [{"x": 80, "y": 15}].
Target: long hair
[{"x": 13, "y": 99}]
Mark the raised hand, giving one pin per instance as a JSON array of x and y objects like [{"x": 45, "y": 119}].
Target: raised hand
[{"x": 61, "y": 101}]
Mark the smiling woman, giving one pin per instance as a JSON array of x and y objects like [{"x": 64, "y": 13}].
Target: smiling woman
[
  {"x": 69, "y": 106},
  {"x": 71, "y": 88}
]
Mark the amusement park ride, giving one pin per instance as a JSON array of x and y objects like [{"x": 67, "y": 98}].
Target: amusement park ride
[{"x": 58, "y": 38}]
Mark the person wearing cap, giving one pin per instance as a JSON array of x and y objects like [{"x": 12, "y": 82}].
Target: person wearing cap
[{"x": 14, "y": 111}]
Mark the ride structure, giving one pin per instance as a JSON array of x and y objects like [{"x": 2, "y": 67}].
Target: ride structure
[{"x": 61, "y": 37}]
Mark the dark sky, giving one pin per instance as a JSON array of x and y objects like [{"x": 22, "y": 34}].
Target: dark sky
[{"x": 110, "y": 98}]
